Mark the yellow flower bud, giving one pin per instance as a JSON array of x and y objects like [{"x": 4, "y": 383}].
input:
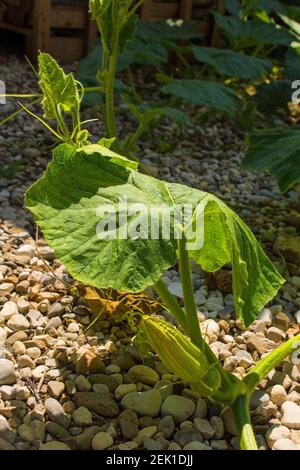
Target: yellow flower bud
[{"x": 181, "y": 356}]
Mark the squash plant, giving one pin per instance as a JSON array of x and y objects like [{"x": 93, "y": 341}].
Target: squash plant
[{"x": 84, "y": 182}]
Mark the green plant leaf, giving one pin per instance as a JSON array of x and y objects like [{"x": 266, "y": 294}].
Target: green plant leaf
[
  {"x": 65, "y": 203},
  {"x": 276, "y": 150},
  {"x": 232, "y": 64},
  {"x": 253, "y": 32},
  {"x": 266, "y": 5},
  {"x": 292, "y": 63},
  {"x": 146, "y": 113},
  {"x": 273, "y": 96},
  {"x": 162, "y": 31},
  {"x": 60, "y": 90},
  {"x": 233, "y": 7},
  {"x": 202, "y": 92}
]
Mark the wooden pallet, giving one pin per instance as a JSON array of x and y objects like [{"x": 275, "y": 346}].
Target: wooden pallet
[{"x": 63, "y": 29}]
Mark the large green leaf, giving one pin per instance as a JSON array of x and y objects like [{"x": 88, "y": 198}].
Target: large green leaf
[
  {"x": 292, "y": 63},
  {"x": 276, "y": 150},
  {"x": 202, "y": 92},
  {"x": 59, "y": 89},
  {"x": 65, "y": 203},
  {"x": 253, "y": 32},
  {"x": 232, "y": 64},
  {"x": 163, "y": 31},
  {"x": 273, "y": 96}
]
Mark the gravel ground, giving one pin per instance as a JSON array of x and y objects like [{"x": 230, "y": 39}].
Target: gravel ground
[{"x": 63, "y": 389}]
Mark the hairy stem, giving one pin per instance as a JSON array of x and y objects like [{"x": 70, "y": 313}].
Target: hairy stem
[
  {"x": 265, "y": 365},
  {"x": 228, "y": 380},
  {"x": 243, "y": 423},
  {"x": 171, "y": 303},
  {"x": 110, "y": 80},
  {"x": 188, "y": 293}
]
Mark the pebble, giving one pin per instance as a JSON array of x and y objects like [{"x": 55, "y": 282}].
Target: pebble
[
  {"x": 176, "y": 289},
  {"x": 26, "y": 250},
  {"x": 275, "y": 334},
  {"x": 256, "y": 343},
  {"x": 56, "y": 412},
  {"x": 278, "y": 394},
  {"x": 143, "y": 403},
  {"x": 57, "y": 431},
  {"x": 82, "y": 384},
  {"x": 218, "y": 426},
  {"x": 7, "y": 372},
  {"x": 5, "y": 445},
  {"x": 143, "y": 374},
  {"x": 277, "y": 432},
  {"x": 290, "y": 412},
  {"x": 187, "y": 435},
  {"x": 82, "y": 416},
  {"x": 210, "y": 330},
  {"x": 104, "y": 405},
  {"x": 180, "y": 408},
  {"x": 196, "y": 445},
  {"x": 167, "y": 426},
  {"x": 149, "y": 432},
  {"x": 285, "y": 444},
  {"x": 123, "y": 389},
  {"x": 204, "y": 427},
  {"x": 151, "y": 444},
  {"x": 201, "y": 408},
  {"x": 18, "y": 322},
  {"x": 8, "y": 310},
  {"x": 7, "y": 392},
  {"x": 128, "y": 421},
  {"x": 54, "y": 445},
  {"x": 55, "y": 388},
  {"x": 265, "y": 316},
  {"x": 102, "y": 441}
]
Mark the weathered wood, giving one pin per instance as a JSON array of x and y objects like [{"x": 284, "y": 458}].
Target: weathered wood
[
  {"x": 186, "y": 8},
  {"x": 215, "y": 36},
  {"x": 41, "y": 27}
]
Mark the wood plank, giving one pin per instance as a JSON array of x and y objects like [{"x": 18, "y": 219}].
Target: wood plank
[
  {"x": 68, "y": 17},
  {"x": 67, "y": 50},
  {"x": 146, "y": 9},
  {"x": 15, "y": 28},
  {"x": 164, "y": 11},
  {"x": 186, "y": 8},
  {"x": 41, "y": 28},
  {"x": 215, "y": 36}
]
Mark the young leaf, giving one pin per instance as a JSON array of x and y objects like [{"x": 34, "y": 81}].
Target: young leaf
[
  {"x": 276, "y": 150},
  {"x": 201, "y": 92},
  {"x": 232, "y": 64},
  {"x": 69, "y": 214},
  {"x": 60, "y": 90}
]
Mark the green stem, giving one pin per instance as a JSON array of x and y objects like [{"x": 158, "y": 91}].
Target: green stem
[
  {"x": 229, "y": 381},
  {"x": 134, "y": 138},
  {"x": 132, "y": 85},
  {"x": 243, "y": 423},
  {"x": 171, "y": 303},
  {"x": 188, "y": 294},
  {"x": 110, "y": 80},
  {"x": 265, "y": 365}
]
